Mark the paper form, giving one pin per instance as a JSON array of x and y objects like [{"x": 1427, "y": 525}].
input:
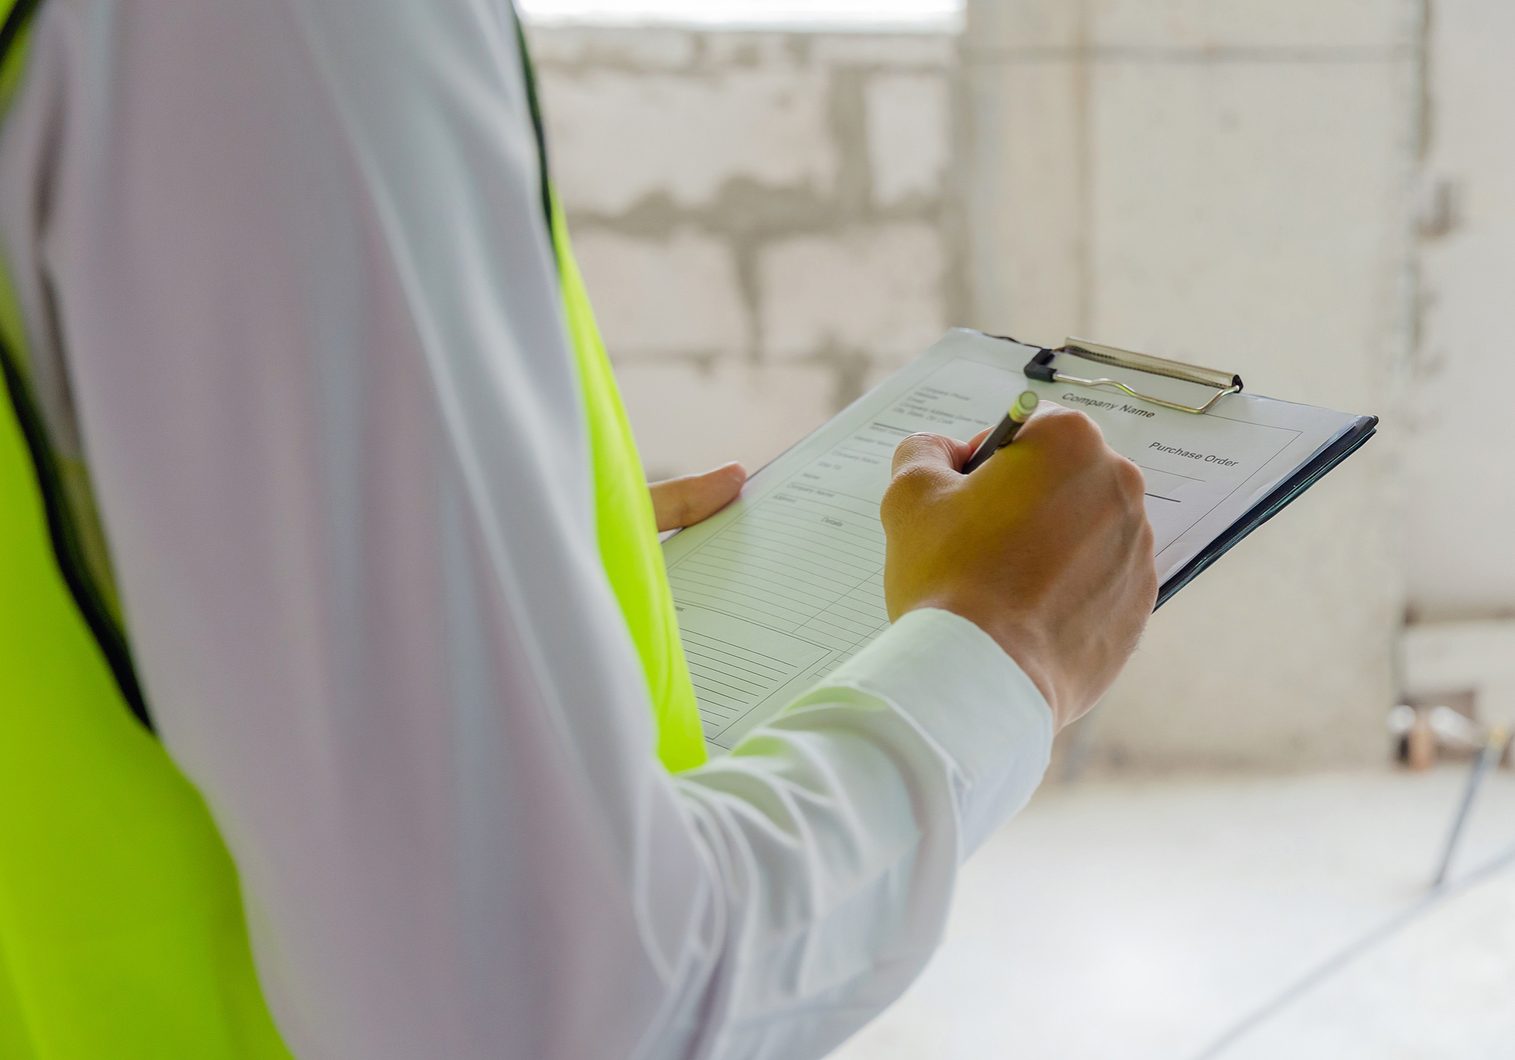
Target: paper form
[{"x": 780, "y": 588}]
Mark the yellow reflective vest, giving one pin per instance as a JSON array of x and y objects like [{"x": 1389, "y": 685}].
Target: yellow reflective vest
[{"x": 121, "y": 925}]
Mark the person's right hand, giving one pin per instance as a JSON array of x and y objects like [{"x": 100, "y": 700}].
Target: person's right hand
[{"x": 1046, "y": 547}]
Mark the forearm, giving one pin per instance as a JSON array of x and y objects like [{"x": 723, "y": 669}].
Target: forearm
[{"x": 834, "y": 833}]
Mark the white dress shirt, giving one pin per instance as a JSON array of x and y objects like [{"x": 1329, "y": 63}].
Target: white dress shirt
[{"x": 287, "y": 283}]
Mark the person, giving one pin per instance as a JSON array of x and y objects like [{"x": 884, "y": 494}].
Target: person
[{"x": 318, "y": 506}]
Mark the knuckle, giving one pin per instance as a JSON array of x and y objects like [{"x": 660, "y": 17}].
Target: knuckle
[
  {"x": 913, "y": 448},
  {"x": 1129, "y": 477},
  {"x": 1073, "y": 431},
  {"x": 906, "y": 451},
  {"x": 1146, "y": 565},
  {"x": 918, "y": 439}
]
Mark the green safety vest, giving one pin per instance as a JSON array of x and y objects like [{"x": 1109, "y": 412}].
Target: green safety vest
[{"x": 121, "y": 926}]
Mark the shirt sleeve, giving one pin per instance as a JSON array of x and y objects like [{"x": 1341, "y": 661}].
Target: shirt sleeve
[
  {"x": 836, "y": 831},
  {"x": 293, "y": 258}
]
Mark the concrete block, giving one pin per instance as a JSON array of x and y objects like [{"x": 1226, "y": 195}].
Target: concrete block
[
  {"x": 1441, "y": 658},
  {"x": 1027, "y": 262},
  {"x": 887, "y": 51},
  {"x": 753, "y": 49},
  {"x": 578, "y": 46},
  {"x": 690, "y": 416},
  {"x": 1252, "y": 216},
  {"x": 1291, "y": 24},
  {"x": 621, "y": 137},
  {"x": 1022, "y": 29},
  {"x": 1255, "y": 215},
  {"x": 1281, "y": 656},
  {"x": 671, "y": 297},
  {"x": 995, "y": 27},
  {"x": 909, "y": 120},
  {"x": 876, "y": 291}
]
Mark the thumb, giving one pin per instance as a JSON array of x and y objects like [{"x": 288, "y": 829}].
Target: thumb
[{"x": 682, "y": 502}]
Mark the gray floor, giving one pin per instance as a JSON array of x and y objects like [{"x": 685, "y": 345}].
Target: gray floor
[{"x": 1230, "y": 919}]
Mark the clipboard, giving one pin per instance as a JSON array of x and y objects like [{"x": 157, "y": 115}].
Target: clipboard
[
  {"x": 1051, "y": 365},
  {"x": 787, "y": 582}
]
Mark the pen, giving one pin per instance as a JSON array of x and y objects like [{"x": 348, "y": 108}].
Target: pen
[{"x": 1005, "y": 433}]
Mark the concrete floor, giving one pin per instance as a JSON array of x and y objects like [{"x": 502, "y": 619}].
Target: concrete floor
[{"x": 1185, "y": 918}]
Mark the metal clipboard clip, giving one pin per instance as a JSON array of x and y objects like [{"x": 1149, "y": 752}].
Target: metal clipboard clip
[{"x": 1042, "y": 368}]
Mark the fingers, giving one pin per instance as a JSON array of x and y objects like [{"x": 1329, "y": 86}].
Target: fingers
[{"x": 682, "y": 502}]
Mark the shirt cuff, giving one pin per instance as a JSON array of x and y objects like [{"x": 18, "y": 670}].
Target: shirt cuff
[{"x": 970, "y": 699}]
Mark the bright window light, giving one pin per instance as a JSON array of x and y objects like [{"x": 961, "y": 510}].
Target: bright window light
[{"x": 766, "y": 13}]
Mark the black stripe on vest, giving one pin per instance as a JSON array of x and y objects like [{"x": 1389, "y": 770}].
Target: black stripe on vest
[{"x": 60, "y": 525}]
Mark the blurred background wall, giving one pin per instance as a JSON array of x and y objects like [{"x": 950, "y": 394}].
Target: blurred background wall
[
  {"x": 1315, "y": 193},
  {"x": 764, "y": 220}
]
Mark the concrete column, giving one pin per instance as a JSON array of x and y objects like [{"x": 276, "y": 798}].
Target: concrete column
[
  {"x": 1229, "y": 184},
  {"x": 1460, "y": 526}
]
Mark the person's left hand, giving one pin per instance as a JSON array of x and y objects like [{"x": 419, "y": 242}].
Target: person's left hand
[{"x": 681, "y": 502}]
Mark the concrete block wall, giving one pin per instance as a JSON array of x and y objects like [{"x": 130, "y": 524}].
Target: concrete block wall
[
  {"x": 764, "y": 220},
  {"x": 1228, "y": 184},
  {"x": 1308, "y": 191}
]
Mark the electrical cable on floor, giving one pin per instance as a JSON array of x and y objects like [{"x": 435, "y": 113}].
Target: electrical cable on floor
[{"x": 1434, "y": 898}]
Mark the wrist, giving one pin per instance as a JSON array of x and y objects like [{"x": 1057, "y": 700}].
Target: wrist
[{"x": 1020, "y": 640}]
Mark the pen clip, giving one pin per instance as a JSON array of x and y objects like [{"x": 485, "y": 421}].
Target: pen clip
[{"x": 1041, "y": 368}]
